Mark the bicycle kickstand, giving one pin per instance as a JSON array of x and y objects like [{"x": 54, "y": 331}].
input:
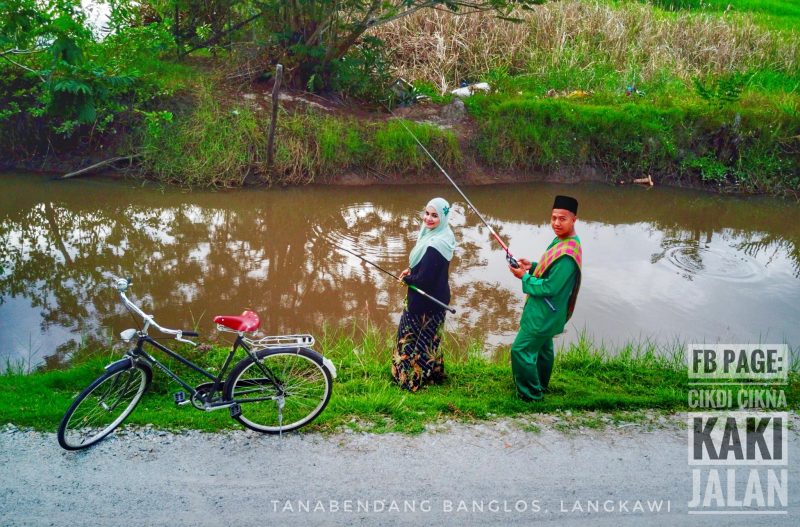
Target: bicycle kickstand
[{"x": 281, "y": 402}]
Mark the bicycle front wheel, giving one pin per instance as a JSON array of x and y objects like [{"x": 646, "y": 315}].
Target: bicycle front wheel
[
  {"x": 288, "y": 389},
  {"x": 103, "y": 406}
]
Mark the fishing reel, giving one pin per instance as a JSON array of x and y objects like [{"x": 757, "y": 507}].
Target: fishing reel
[{"x": 512, "y": 261}]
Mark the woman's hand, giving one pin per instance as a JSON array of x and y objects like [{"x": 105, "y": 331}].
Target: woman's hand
[
  {"x": 524, "y": 263},
  {"x": 405, "y": 273}
]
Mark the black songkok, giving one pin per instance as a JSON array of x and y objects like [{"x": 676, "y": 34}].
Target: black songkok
[{"x": 567, "y": 203}]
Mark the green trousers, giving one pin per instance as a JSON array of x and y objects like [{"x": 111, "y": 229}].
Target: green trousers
[{"x": 532, "y": 363}]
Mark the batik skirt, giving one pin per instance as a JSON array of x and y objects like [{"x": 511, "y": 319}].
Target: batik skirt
[{"x": 416, "y": 360}]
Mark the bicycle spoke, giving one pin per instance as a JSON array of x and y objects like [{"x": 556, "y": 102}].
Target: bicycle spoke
[
  {"x": 102, "y": 407},
  {"x": 297, "y": 391}
]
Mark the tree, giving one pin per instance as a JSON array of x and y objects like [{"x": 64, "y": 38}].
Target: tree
[
  {"x": 55, "y": 70},
  {"x": 310, "y": 36}
]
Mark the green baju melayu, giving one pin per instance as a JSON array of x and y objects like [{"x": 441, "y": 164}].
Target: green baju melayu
[{"x": 532, "y": 353}]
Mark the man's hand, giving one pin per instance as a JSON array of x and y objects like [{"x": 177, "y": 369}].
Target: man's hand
[
  {"x": 520, "y": 271},
  {"x": 524, "y": 263}
]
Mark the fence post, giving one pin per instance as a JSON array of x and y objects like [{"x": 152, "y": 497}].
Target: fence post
[{"x": 271, "y": 139}]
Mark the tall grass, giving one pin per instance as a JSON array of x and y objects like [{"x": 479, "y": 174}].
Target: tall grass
[
  {"x": 736, "y": 145},
  {"x": 593, "y": 49},
  {"x": 222, "y": 143},
  {"x": 595, "y": 44}
]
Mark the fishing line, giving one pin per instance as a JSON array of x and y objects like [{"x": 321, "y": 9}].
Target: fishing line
[
  {"x": 511, "y": 260},
  {"x": 410, "y": 286}
]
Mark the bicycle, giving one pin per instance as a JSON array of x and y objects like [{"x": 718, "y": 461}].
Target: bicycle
[{"x": 279, "y": 386}]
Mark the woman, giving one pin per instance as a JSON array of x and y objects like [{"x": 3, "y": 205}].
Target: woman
[{"x": 416, "y": 360}]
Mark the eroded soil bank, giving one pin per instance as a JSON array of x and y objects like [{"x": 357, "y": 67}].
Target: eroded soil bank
[{"x": 482, "y": 141}]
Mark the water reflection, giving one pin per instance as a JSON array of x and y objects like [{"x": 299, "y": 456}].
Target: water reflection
[{"x": 663, "y": 264}]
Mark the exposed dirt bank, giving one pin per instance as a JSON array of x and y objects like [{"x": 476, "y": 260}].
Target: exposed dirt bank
[{"x": 59, "y": 158}]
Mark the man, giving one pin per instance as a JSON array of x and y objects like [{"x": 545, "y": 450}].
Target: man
[{"x": 552, "y": 287}]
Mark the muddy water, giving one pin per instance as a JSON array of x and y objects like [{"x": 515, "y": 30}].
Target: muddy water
[{"x": 663, "y": 264}]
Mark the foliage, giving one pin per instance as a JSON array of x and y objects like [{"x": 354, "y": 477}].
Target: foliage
[
  {"x": 720, "y": 90},
  {"x": 709, "y": 167},
  {"x": 427, "y": 90},
  {"x": 585, "y": 378},
  {"x": 199, "y": 24},
  {"x": 595, "y": 45},
  {"x": 364, "y": 72},
  {"x": 57, "y": 72},
  {"x": 309, "y": 37},
  {"x": 222, "y": 145},
  {"x": 213, "y": 146},
  {"x": 559, "y": 78}
]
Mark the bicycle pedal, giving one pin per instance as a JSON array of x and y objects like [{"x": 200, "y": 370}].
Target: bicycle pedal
[
  {"x": 180, "y": 398},
  {"x": 235, "y": 410}
]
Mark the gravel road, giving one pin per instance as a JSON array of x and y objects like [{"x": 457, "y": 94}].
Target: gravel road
[{"x": 478, "y": 474}]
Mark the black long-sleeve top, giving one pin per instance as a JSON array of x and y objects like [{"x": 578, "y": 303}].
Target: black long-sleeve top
[{"x": 430, "y": 275}]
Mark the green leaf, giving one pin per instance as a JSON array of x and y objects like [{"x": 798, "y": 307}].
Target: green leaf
[
  {"x": 86, "y": 112},
  {"x": 64, "y": 24},
  {"x": 73, "y": 86},
  {"x": 64, "y": 48}
]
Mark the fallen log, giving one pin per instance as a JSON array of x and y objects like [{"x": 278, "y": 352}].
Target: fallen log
[{"x": 99, "y": 165}]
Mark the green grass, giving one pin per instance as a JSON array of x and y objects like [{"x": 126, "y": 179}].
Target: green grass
[
  {"x": 586, "y": 378},
  {"x": 738, "y": 144},
  {"x": 785, "y": 13},
  {"x": 746, "y": 144},
  {"x": 559, "y": 101},
  {"x": 222, "y": 144}
]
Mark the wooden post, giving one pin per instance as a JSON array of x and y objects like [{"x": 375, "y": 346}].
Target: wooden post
[{"x": 271, "y": 139}]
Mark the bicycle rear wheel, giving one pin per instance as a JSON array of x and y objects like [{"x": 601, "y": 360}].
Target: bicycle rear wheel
[
  {"x": 294, "y": 392},
  {"x": 103, "y": 406}
]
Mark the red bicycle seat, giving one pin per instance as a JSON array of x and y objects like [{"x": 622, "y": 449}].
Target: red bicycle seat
[{"x": 247, "y": 321}]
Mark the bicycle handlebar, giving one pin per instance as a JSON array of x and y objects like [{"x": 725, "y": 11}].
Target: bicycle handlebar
[{"x": 122, "y": 285}]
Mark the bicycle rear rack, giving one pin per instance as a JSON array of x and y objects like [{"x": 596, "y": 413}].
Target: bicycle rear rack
[{"x": 280, "y": 341}]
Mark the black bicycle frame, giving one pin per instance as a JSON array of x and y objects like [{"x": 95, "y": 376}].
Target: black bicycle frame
[{"x": 217, "y": 380}]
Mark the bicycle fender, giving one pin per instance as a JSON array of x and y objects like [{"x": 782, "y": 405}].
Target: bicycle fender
[
  {"x": 318, "y": 357},
  {"x": 323, "y": 360},
  {"x": 124, "y": 362},
  {"x": 329, "y": 364}
]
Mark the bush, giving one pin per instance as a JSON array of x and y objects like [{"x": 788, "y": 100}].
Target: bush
[{"x": 364, "y": 72}]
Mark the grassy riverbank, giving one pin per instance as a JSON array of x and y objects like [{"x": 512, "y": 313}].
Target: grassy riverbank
[
  {"x": 586, "y": 378},
  {"x": 221, "y": 143},
  {"x": 691, "y": 93}
]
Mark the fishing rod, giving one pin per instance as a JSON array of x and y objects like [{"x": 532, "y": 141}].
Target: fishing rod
[
  {"x": 410, "y": 286},
  {"x": 511, "y": 260}
]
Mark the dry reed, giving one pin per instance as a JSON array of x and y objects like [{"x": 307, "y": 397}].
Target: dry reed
[{"x": 630, "y": 38}]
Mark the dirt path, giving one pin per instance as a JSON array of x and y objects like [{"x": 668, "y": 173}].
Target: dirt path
[{"x": 480, "y": 474}]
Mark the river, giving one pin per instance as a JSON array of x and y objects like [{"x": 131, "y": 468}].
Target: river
[{"x": 663, "y": 265}]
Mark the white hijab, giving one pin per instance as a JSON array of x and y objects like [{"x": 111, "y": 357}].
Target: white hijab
[{"x": 440, "y": 238}]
